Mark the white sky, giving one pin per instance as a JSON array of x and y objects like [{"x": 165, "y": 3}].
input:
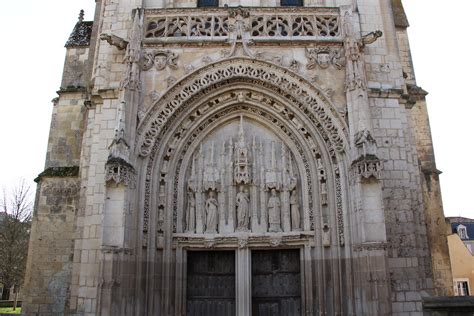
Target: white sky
[{"x": 32, "y": 52}]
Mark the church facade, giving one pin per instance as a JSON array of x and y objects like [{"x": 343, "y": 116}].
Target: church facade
[{"x": 238, "y": 158}]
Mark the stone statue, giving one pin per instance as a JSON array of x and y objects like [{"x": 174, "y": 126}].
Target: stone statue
[
  {"x": 324, "y": 193},
  {"x": 274, "y": 212},
  {"x": 211, "y": 213},
  {"x": 242, "y": 201},
  {"x": 191, "y": 213},
  {"x": 295, "y": 211}
]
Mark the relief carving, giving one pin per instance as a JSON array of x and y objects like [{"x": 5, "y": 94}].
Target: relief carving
[
  {"x": 325, "y": 57},
  {"x": 177, "y": 97},
  {"x": 160, "y": 59},
  {"x": 241, "y": 181}
]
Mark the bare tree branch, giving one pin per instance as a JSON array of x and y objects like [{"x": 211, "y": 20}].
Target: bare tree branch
[{"x": 15, "y": 221}]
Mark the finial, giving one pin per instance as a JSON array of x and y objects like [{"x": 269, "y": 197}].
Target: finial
[
  {"x": 81, "y": 16},
  {"x": 241, "y": 131}
]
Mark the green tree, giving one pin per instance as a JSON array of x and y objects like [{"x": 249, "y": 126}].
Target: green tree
[{"x": 15, "y": 222}]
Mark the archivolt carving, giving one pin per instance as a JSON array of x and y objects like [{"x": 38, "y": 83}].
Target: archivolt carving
[
  {"x": 170, "y": 152},
  {"x": 313, "y": 102},
  {"x": 339, "y": 208}
]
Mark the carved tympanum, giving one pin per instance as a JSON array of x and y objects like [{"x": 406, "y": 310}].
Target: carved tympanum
[{"x": 245, "y": 179}]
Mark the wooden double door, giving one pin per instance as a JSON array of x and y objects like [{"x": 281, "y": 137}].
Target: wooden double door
[{"x": 275, "y": 283}]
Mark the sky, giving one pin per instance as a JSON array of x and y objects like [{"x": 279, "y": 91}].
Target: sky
[{"x": 32, "y": 54}]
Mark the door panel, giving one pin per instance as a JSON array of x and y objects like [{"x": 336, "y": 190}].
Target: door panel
[
  {"x": 210, "y": 286},
  {"x": 276, "y": 283}
]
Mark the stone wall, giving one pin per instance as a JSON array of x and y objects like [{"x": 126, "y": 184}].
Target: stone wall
[{"x": 50, "y": 258}]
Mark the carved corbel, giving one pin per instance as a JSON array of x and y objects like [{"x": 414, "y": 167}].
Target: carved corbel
[
  {"x": 119, "y": 171},
  {"x": 114, "y": 40},
  {"x": 366, "y": 167}
]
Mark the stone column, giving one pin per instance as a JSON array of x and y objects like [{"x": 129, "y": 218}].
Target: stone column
[
  {"x": 369, "y": 239},
  {"x": 244, "y": 288}
]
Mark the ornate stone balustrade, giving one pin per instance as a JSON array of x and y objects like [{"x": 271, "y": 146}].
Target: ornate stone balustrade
[{"x": 254, "y": 24}]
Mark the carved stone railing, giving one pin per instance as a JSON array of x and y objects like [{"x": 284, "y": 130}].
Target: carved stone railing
[{"x": 259, "y": 24}]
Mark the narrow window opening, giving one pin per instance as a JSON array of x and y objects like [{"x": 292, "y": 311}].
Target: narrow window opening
[
  {"x": 291, "y": 3},
  {"x": 207, "y": 3}
]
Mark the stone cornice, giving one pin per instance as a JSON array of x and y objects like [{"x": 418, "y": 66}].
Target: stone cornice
[{"x": 58, "y": 172}]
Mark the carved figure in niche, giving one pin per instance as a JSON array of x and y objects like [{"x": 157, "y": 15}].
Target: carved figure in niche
[
  {"x": 324, "y": 193},
  {"x": 211, "y": 213},
  {"x": 295, "y": 211},
  {"x": 242, "y": 202},
  {"x": 161, "y": 218},
  {"x": 274, "y": 212},
  {"x": 191, "y": 213},
  {"x": 326, "y": 235}
]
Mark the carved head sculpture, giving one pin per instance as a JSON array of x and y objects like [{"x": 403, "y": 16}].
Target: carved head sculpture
[
  {"x": 160, "y": 60},
  {"x": 323, "y": 59}
]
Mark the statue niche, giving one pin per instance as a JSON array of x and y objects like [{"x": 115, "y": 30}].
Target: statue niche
[{"x": 250, "y": 185}]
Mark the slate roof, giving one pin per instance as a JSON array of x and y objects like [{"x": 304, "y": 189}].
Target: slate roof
[{"x": 81, "y": 34}]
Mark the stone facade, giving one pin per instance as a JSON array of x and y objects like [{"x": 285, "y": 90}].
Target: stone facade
[{"x": 238, "y": 132}]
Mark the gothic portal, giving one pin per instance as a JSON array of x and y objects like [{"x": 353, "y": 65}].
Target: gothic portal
[{"x": 238, "y": 158}]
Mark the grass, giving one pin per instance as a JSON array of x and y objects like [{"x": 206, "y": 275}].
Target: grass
[{"x": 9, "y": 310}]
